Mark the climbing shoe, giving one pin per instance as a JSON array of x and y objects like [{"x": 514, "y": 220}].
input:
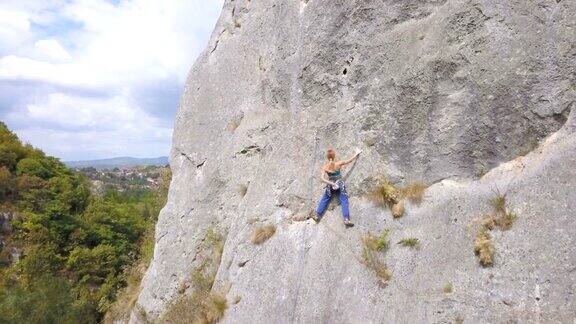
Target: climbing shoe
[
  {"x": 315, "y": 218},
  {"x": 348, "y": 223}
]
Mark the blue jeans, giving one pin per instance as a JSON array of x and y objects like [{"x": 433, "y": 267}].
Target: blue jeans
[{"x": 325, "y": 201}]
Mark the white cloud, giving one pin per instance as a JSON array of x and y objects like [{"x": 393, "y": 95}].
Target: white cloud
[
  {"x": 13, "y": 21},
  {"x": 137, "y": 41},
  {"x": 72, "y": 74},
  {"x": 95, "y": 46},
  {"x": 51, "y": 50},
  {"x": 74, "y": 111},
  {"x": 14, "y": 29},
  {"x": 91, "y": 125}
]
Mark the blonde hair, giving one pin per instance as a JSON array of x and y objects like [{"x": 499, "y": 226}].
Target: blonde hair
[{"x": 331, "y": 155}]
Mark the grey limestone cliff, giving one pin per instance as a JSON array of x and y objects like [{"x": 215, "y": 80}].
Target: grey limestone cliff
[{"x": 471, "y": 97}]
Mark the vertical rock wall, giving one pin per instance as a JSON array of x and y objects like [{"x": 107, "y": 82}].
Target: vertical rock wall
[{"x": 440, "y": 91}]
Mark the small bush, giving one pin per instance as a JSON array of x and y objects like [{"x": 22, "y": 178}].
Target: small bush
[
  {"x": 483, "y": 248},
  {"x": 262, "y": 234},
  {"x": 411, "y": 242},
  {"x": 414, "y": 192},
  {"x": 506, "y": 220},
  {"x": 215, "y": 307},
  {"x": 202, "y": 280},
  {"x": 502, "y": 217},
  {"x": 371, "y": 254},
  {"x": 448, "y": 288},
  {"x": 488, "y": 222},
  {"x": 376, "y": 243},
  {"x": 385, "y": 194},
  {"x": 499, "y": 203},
  {"x": 214, "y": 241},
  {"x": 372, "y": 261}
]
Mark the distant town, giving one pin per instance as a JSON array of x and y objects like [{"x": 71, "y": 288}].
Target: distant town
[{"x": 125, "y": 178}]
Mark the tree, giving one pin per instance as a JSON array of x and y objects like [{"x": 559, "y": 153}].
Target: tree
[
  {"x": 7, "y": 184},
  {"x": 32, "y": 166}
]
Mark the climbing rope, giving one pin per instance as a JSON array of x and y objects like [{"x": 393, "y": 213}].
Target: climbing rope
[{"x": 345, "y": 177}]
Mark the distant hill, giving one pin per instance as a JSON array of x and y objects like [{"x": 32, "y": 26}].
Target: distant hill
[{"x": 118, "y": 162}]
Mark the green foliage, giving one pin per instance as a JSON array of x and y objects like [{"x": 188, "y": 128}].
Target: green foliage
[
  {"x": 48, "y": 299},
  {"x": 7, "y": 183},
  {"x": 34, "y": 167},
  {"x": 411, "y": 242},
  {"x": 372, "y": 254},
  {"x": 39, "y": 260},
  {"x": 76, "y": 247},
  {"x": 385, "y": 193},
  {"x": 376, "y": 243},
  {"x": 94, "y": 264}
]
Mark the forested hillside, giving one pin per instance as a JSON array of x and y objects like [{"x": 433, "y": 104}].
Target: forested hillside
[{"x": 66, "y": 253}]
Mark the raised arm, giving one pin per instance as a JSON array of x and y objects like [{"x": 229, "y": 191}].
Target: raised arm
[{"x": 348, "y": 161}]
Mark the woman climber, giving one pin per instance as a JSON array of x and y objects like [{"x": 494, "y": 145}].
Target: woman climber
[{"x": 331, "y": 175}]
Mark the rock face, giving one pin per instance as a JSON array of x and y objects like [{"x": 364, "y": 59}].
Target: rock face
[{"x": 471, "y": 97}]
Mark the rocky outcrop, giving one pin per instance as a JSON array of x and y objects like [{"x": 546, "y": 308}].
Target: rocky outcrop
[{"x": 471, "y": 97}]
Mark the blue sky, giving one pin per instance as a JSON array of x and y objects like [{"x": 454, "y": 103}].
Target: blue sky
[{"x": 87, "y": 79}]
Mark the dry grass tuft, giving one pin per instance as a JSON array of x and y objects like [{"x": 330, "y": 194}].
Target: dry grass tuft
[
  {"x": 215, "y": 307},
  {"x": 411, "y": 242},
  {"x": 262, "y": 234},
  {"x": 414, "y": 192},
  {"x": 200, "y": 307},
  {"x": 214, "y": 241},
  {"x": 373, "y": 243},
  {"x": 501, "y": 218},
  {"x": 506, "y": 220},
  {"x": 398, "y": 209},
  {"x": 488, "y": 222},
  {"x": 372, "y": 261},
  {"x": 385, "y": 194},
  {"x": 203, "y": 304},
  {"x": 448, "y": 289},
  {"x": 371, "y": 254},
  {"x": 499, "y": 203},
  {"x": 483, "y": 248}
]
